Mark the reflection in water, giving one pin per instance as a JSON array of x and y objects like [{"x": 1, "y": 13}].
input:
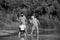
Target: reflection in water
[{"x": 22, "y": 38}]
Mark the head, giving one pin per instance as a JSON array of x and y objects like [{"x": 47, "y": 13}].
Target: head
[
  {"x": 32, "y": 16},
  {"x": 21, "y": 15}
]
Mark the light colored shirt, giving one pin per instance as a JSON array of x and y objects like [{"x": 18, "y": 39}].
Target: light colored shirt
[
  {"x": 23, "y": 19},
  {"x": 34, "y": 21},
  {"x": 22, "y": 27}
]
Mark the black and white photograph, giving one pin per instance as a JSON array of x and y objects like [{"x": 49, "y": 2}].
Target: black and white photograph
[{"x": 29, "y": 20}]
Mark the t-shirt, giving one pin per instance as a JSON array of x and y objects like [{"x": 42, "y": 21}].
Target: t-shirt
[
  {"x": 34, "y": 21},
  {"x": 22, "y": 27},
  {"x": 23, "y": 19}
]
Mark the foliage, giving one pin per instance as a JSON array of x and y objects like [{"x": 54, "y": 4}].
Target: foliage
[{"x": 39, "y": 8}]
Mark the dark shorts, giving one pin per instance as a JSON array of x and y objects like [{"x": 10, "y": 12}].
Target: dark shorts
[{"x": 21, "y": 30}]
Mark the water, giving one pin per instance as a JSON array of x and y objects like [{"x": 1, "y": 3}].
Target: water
[{"x": 22, "y": 38}]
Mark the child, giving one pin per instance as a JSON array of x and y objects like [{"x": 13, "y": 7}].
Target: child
[
  {"x": 22, "y": 29},
  {"x": 22, "y": 26}
]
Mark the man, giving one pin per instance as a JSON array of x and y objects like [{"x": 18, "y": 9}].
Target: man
[
  {"x": 35, "y": 22},
  {"x": 22, "y": 25}
]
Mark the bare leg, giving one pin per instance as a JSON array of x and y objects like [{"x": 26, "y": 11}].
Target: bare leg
[
  {"x": 25, "y": 35},
  {"x": 19, "y": 35}
]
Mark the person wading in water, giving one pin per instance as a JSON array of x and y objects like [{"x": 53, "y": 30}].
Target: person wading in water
[
  {"x": 22, "y": 25},
  {"x": 35, "y": 22}
]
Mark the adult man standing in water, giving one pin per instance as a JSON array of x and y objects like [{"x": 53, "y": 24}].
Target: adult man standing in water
[
  {"x": 34, "y": 21},
  {"x": 22, "y": 25}
]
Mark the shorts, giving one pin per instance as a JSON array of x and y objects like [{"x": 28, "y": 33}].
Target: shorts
[{"x": 21, "y": 30}]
